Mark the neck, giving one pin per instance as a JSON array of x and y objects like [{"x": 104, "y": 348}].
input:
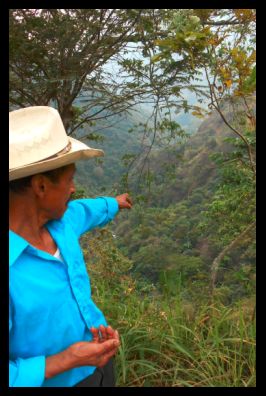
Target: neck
[
  {"x": 28, "y": 219},
  {"x": 24, "y": 217}
]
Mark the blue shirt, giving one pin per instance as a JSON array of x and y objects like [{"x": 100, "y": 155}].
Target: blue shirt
[{"x": 50, "y": 304}]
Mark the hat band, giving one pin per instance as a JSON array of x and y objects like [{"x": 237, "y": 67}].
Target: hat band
[
  {"x": 59, "y": 154},
  {"x": 62, "y": 152}
]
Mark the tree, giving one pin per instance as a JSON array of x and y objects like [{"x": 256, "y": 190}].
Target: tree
[
  {"x": 54, "y": 53},
  {"x": 222, "y": 44},
  {"x": 58, "y": 55},
  {"x": 231, "y": 77}
]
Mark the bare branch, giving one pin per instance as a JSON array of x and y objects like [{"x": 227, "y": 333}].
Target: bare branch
[{"x": 216, "y": 262}]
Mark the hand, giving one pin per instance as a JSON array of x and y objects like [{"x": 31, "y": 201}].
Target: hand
[
  {"x": 97, "y": 352},
  {"x": 92, "y": 353},
  {"x": 106, "y": 342},
  {"x": 124, "y": 201}
]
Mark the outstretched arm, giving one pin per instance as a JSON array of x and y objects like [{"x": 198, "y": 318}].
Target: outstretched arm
[{"x": 94, "y": 212}]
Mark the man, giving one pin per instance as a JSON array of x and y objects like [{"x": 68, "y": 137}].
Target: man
[{"x": 58, "y": 336}]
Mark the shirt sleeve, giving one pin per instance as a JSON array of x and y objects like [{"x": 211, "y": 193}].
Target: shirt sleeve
[
  {"x": 26, "y": 372},
  {"x": 86, "y": 214}
]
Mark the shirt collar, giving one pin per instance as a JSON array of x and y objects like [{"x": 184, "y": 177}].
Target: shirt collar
[{"x": 16, "y": 246}]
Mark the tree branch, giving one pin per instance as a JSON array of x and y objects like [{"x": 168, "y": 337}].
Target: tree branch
[{"x": 216, "y": 262}]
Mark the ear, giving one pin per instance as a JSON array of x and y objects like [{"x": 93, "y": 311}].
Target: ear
[{"x": 39, "y": 184}]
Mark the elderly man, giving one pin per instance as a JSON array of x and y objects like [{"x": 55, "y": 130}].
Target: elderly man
[{"x": 58, "y": 336}]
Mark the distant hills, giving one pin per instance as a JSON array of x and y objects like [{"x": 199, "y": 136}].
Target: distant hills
[
  {"x": 104, "y": 174},
  {"x": 188, "y": 164}
]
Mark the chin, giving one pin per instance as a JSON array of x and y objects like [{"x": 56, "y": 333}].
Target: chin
[{"x": 59, "y": 215}]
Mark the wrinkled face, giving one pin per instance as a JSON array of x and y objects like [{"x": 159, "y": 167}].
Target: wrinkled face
[{"x": 59, "y": 193}]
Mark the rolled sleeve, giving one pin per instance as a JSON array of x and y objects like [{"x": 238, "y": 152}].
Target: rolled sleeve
[
  {"x": 86, "y": 214},
  {"x": 27, "y": 372},
  {"x": 112, "y": 206}
]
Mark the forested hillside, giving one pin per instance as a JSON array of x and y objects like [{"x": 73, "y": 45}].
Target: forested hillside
[
  {"x": 159, "y": 260},
  {"x": 165, "y": 231},
  {"x": 104, "y": 174},
  {"x": 176, "y": 274},
  {"x": 120, "y": 140}
]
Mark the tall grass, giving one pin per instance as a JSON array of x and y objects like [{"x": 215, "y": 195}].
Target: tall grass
[
  {"x": 162, "y": 346},
  {"x": 167, "y": 341}
]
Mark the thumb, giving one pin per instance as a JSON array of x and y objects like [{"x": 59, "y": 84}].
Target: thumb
[{"x": 109, "y": 345}]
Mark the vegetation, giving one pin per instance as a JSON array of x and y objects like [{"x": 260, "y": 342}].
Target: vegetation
[
  {"x": 57, "y": 55},
  {"x": 176, "y": 275},
  {"x": 167, "y": 339}
]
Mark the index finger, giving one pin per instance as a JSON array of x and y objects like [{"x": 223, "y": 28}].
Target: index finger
[{"x": 95, "y": 334}]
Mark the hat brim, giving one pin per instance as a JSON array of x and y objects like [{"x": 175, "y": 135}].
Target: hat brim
[{"x": 77, "y": 152}]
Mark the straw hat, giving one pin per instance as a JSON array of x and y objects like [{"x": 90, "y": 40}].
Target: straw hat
[{"x": 38, "y": 142}]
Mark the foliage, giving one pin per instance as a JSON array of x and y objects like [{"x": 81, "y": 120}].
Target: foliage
[
  {"x": 58, "y": 54},
  {"x": 199, "y": 203},
  {"x": 54, "y": 53},
  {"x": 167, "y": 340},
  {"x": 226, "y": 54},
  {"x": 64, "y": 58},
  {"x": 232, "y": 206},
  {"x": 195, "y": 226}
]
